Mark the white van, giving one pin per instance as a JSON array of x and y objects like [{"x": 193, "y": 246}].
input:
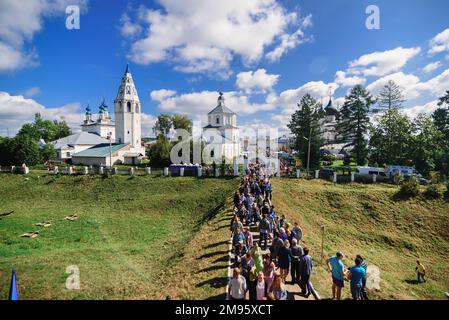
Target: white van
[{"x": 368, "y": 170}]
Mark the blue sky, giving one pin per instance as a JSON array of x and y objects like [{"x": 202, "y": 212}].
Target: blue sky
[{"x": 182, "y": 52}]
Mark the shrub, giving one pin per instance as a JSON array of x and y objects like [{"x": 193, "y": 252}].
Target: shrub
[
  {"x": 410, "y": 188},
  {"x": 398, "y": 178},
  {"x": 446, "y": 194},
  {"x": 329, "y": 157},
  {"x": 433, "y": 191}
]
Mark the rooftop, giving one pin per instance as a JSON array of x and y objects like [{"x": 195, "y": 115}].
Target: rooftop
[{"x": 101, "y": 150}]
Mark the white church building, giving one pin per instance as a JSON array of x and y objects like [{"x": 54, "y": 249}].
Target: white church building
[
  {"x": 125, "y": 143},
  {"x": 221, "y": 134}
]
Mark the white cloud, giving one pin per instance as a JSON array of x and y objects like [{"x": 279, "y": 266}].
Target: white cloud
[
  {"x": 19, "y": 21},
  {"x": 382, "y": 63},
  {"x": 439, "y": 84},
  {"x": 148, "y": 122},
  {"x": 197, "y": 104},
  {"x": 427, "y": 108},
  {"x": 290, "y": 41},
  {"x": 409, "y": 83},
  {"x": 440, "y": 42},
  {"x": 129, "y": 28},
  {"x": 17, "y": 110},
  {"x": 432, "y": 67},
  {"x": 161, "y": 95},
  {"x": 258, "y": 81},
  {"x": 342, "y": 79},
  {"x": 202, "y": 36}
]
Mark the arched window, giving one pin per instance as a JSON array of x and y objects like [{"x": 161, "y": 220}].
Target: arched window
[
  {"x": 128, "y": 106},
  {"x": 218, "y": 120}
]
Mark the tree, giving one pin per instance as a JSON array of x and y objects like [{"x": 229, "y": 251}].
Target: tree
[
  {"x": 5, "y": 151},
  {"x": 390, "y": 97},
  {"x": 48, "y": 152},
  {"x": 354, "y": 122},
  {"x": 45, "y": 129},
  {"x": 159, "y": 153},
  {"x": 181, "y": 122},
  {"x": 391, "y": 139},
  {"x": 444, "y": 99},
  {"x": 427, "y": 144},
  {"x": 305, "y": 124},
  {"x": 163, "y": 125},
  {"x": 23, "y": 149}
]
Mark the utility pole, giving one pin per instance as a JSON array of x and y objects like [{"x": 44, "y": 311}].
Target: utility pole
[{"x": 110, "y": 149}]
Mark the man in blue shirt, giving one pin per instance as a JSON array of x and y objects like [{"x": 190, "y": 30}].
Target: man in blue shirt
[
  {"x": 337, "y": 269},
  {"x": 356, "y": 275},
  {"x": 305, "y": 270}
]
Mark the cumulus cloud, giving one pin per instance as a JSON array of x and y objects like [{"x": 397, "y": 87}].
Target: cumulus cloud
[
  {"x": 427, "y": 108},
  {"x": 202, "y": 36},
  {"x": 18, "y": 110},
  {"x": 259, "y": 81},
  {"x": 432, "y": 67},
  {"x": 161, "y": 95},
  {"x": 342, "y": 79},
  {"x": 198, "y": 104},
  {"x": 440, "y": 42},
  {"x": 382, "y": 63},
  {"x": 19, "y": 21},
  {"x": 409, "y": 83}
]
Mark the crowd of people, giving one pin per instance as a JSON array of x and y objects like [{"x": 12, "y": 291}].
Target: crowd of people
[{"x": 260, "y": 268}]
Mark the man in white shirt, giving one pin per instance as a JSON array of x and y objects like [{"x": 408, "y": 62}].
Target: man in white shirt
[{"x": 237, "y": 286}]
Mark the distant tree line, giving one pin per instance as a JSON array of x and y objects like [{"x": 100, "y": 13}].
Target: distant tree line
[
  {"x": 393, "y": 139},
  {"x": 25, "y": 147}
]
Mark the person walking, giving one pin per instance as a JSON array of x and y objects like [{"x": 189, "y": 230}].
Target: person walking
[
  {"x": 264, "y": 230},
  {"x": 305, "y": 271},
  {"x": 278, "y": 290},
  {"x": 295, "y": 252},
  {"x": 356, "y": 275},
  {"x": 261, "y": 287},
  {"x": 337, "y": 269},
  {"x": 268, "y": 269},
  {"x": 284, "y": 259},
  {"x": 248, "y": 237},
  {"x": 237, "y": 286}
]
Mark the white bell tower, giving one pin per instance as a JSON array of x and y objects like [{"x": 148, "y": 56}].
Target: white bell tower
[{"x": 127, "y": 112}]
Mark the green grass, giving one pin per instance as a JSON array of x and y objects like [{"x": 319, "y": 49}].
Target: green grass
[
  {"x": 365, "y": 219},
  {"x": 129, "y": 241}
]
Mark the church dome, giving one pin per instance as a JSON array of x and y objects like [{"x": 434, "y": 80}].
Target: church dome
[{"x": 331, "y": 110}]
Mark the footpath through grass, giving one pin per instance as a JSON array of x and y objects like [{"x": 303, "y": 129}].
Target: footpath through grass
[
  {"x": 136, "y": 237},
  {"x": 364, "y": 219}
]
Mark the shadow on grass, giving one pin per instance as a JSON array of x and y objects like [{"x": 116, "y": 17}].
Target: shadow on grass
[
  {"x": 210, "y": 255},
  {"x": 412, "y": 281},
  {"x": 217, "y": 282},
  {"x": 216, "y": 244},
  {"x": 213, "y": 268},
  {"x": 222, "y": 259},
  {"x": 218, "y": 297}
]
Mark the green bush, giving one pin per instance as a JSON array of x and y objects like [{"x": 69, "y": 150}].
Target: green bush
[
  {"x": 433, "y": 191},
  {"x": 329, "y": 157},
  {"x": 398, "y": 178},
  {"x": 410, "y": 188}
]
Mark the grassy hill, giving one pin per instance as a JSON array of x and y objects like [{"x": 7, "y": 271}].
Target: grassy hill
[
  {"x": 132, "y": 239},
  {"x": 364, "y": 219}
]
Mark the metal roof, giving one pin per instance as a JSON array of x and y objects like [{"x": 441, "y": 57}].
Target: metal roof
[
  {"x": 99, "y": 151},
  {"x": 80, "y": 138}
]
